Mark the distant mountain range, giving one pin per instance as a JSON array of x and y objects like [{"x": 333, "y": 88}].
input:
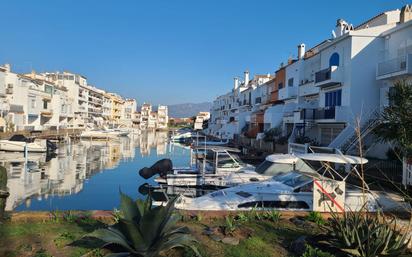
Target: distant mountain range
[{"x": 188, "y": 109}]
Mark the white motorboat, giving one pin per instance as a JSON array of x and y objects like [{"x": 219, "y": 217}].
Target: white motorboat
[
  {"x": 273, "y": 165},
  {"x": 19, "y": 157},
  {"x": 18, "y": 143},
  {"x": 298, "y": 191},
  {"x": 182, "y": 137},
  {"x": 216, "y": 163},
  {"x": 103, "y": 134}
]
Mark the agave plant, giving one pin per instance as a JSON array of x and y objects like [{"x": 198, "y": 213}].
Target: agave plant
[
  {"x": 145, "y": 231},
  {"x": 366, "y": 235}
]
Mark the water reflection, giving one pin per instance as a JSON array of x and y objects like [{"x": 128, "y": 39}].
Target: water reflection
[{"x": 85, "y": 174}]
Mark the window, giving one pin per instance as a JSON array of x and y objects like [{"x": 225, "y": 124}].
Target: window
[
  {"x": 258, "y": 100},
  {"x": 280, "y": 85},
  {"x": 33, "y": 103},
  {"x": 290, "y": 82},
  {"x": 334, "y": 60},
  {"x": 333, "y": 98},
  {"x": 275, "y": 204},
  {"x": 44, "y": 104},
  {"x": 48, "y": 89}
]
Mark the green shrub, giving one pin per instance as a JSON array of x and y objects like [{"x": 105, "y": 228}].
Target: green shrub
[
  {"x": 315, "y": 252},
  {"x": 242, "y": 217},
  {"x": 69, "y": 216},
  {"x": 144, "y": 230},
  {"x": 230, "y": 225},
  {"x": 272, "y": 215},
  {"x": 367, "y": 235},
  {"x": 315, "y": 217}
]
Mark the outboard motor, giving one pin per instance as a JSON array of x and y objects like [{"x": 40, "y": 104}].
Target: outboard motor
[
  {"x": 161, "y": 167},
  {"x": 144, "y": 189}
]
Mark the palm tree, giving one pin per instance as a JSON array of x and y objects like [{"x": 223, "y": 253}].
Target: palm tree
[{"x": 146, "y": 231}]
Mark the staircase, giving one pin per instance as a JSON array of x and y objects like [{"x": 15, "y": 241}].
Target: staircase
[{"x": 365, "y": 130}]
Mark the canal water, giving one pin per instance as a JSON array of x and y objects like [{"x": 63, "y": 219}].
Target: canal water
[{"x": 86, "y": 175}]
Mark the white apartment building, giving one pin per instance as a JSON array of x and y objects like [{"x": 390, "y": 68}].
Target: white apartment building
[
  {"x": 77, "y": 93},
  {"x": 145, "y": 111},
  {"x": 201, "y": 117},
  {"x": 162, "y": 117},
  {"x": 235, "y": 111},
  {"x": 321, "y": 93},
  {"x": 4, "y": 103},
  {"x": 58, "y": 100},
  {"x": 128, "y": 110},
  {"x": 147, "y": 119},
  {"x": 95, "y": 105}
]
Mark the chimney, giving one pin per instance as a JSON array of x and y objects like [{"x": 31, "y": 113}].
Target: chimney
[
  {"x": 301, "y": 51},
  {"x": 406, "y": 14},
  {"x": 339, "y": 28},
  {"x": 236, "y": 82},
  {"x": 246, "y": 78},
  {"x": 8, "y": 67}
]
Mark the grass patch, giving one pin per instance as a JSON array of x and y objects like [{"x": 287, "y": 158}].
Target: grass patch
[{"x": 251, "y": 247}]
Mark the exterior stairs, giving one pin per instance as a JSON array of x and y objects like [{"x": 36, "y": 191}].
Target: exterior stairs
[{"x": 365, "y": 130}]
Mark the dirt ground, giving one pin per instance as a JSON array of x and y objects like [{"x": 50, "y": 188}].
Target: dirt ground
[{"x": 43, "y": 234}]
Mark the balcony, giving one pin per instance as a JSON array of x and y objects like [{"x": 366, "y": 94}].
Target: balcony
[
  {"x": 47, "y": 112},
  {"x": 287, "y": 93},
  {"x": 328, "y": 77},
  {"x": 325, "y": 114},
  {"x": 394, "y": 68},
  {"x": 308, "y": 89}
]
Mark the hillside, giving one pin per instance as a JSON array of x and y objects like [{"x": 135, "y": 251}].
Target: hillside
[{"x": 188, "y": 109}]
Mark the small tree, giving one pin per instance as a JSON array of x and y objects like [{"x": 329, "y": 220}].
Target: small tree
[{"x": 396, "y": 125}]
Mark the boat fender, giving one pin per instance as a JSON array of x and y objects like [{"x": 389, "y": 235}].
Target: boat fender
[{"x": 161, "y": 167}]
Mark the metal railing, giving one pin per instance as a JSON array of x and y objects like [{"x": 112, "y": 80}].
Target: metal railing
[
  {"x": 318, "y": 114},
  {"x": 323, "y": 75},
  {"x": 392, "y": 65}
]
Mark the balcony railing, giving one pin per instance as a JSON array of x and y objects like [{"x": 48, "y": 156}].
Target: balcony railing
[
  {"x": 323, "y": 75},
  {"x": 326, "y": 113},
  {"x": 329, "y": 77},
  {"x": 394, "y": 67}
]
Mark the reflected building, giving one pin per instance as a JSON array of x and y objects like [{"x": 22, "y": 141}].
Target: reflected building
[{"x": 40, "y": 176}]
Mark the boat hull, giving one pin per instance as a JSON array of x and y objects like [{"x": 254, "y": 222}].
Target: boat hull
[{"x": 15, "y": 146}]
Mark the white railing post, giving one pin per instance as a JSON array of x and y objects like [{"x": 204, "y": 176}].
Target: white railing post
[{"x": 407, "y": 172}]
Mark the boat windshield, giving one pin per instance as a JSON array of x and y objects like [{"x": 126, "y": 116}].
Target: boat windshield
[
  {"x": 226, "y": 161},
  {"x": 272, "y": 168},
  {"x": 297, "y": 181},
  {"x": 20, "y": 138}
]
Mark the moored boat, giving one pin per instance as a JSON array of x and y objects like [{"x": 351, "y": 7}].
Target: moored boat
[
  {"x": 300, "y": 191},
  {"x": 20, "y": 143}
]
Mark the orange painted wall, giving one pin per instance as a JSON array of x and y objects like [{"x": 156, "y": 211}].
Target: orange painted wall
[{"x": 280, "y": 78}]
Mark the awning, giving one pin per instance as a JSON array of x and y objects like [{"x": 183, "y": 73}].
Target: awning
[{"x": 16, "y": 108}]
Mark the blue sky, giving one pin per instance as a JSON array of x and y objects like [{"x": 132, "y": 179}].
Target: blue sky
[{"x": 170, "y": 51}]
